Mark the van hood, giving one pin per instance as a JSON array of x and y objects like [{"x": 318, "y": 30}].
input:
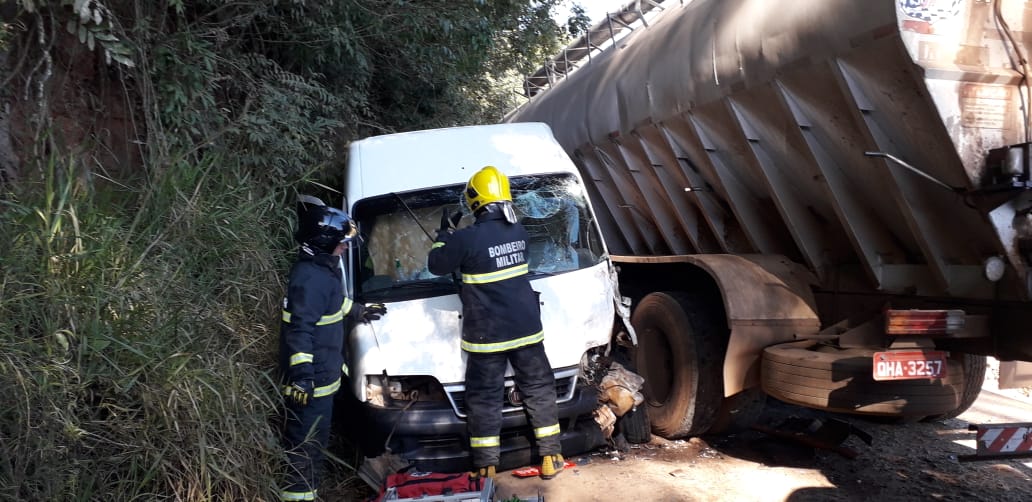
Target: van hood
[{"x": 422, "y": 337}]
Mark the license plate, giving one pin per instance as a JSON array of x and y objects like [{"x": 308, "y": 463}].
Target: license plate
[{"x": 909, "y": 365}]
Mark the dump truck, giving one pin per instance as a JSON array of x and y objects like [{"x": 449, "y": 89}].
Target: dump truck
[{"x": 826, "y": 202}]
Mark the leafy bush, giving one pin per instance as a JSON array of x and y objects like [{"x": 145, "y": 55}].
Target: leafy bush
[
  {"x": 144, "y": 244},
  {"x": 137, "y": 342}
]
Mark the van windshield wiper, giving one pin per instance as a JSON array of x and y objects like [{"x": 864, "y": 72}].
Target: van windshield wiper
[
  {"x": 541, "y": 273},
  {"x": 417, "y": 284}
]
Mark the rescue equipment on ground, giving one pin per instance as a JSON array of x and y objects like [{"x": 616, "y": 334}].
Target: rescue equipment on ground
[{"x": 436, "y": 487}]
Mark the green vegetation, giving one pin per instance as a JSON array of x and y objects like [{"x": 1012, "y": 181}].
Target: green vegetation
[
  {"x": 136, "y": 340},
  {"x": 145, "y": 228}
]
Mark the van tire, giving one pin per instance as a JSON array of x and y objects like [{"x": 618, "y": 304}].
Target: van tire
[
  {"x": 833, "y": 379},
  {"x": 680, "y": 353},
  {"x": 635, "y": 425}
]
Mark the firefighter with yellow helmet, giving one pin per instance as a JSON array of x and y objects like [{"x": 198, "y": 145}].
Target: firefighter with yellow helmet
[{"x": 501, "y": 321}]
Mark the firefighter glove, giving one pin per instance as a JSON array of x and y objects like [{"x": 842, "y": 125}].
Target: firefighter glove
[
  {"x": 373, "y": 311},
  {"x": 449, "y": 222},
  {"x": 299, "y": 393}
]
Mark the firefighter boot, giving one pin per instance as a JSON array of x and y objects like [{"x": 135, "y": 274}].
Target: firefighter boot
[
  {"x": 484, "y": 472},
  {"x": 551, "y": 466}
]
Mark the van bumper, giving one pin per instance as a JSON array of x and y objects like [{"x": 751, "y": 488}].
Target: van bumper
[{"x": 432, "y": 437}]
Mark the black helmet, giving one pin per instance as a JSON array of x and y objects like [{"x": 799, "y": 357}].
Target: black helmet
[{"x": 322, "y": 227}]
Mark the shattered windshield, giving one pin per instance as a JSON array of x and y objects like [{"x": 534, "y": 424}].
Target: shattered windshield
[{"x": 398, "y": 229}]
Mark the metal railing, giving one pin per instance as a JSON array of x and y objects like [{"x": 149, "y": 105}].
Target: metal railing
[{"x": 598, "y": 38}]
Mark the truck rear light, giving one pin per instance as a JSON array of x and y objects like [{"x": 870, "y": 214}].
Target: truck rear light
[{"x": 923, "y": 322}]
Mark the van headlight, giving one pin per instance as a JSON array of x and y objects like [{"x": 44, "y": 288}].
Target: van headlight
[{"x": 385, "y": 390}]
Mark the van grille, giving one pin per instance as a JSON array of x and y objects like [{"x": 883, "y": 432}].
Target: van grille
[{"x": 565, "y": 385}]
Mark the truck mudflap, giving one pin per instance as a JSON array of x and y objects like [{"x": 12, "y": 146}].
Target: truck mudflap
[
  {"x": 430, "y": 436},
  {"x": 841, "y": 379}
]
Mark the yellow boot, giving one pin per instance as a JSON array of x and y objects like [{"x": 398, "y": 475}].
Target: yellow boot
[
  {"x": 484, "y": 472},
  {"x": 551, "y": 466}
]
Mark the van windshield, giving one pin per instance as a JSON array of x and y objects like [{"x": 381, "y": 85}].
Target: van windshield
[{"x": 398, "y": 229}]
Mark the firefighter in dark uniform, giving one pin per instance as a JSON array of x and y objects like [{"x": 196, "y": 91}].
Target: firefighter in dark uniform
[
  {"x": 312, "y": 340},
  {"x": 501, "y": 321}
]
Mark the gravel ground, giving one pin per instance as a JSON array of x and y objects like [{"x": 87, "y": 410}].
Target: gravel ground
[
  {"x": 916, "y": 461},
  {"x": 904, "y": 462}
]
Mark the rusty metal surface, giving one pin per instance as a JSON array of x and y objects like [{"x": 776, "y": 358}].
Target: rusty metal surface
[
  {"x": 1015, "y": 374},
  {"x": 767, "y": 300},
  {"x": 755, "y": 287},
  {"x": 630, "y": 16},
  {"x": 744, "y": 127}
]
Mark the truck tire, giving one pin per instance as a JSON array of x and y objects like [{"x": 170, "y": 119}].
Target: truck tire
[
  {"x": 680, "y": 354},
  {"x": 829, "y": 378},
  {"x": 974, "y": 377},
  {"x": 635, "y": 425}
]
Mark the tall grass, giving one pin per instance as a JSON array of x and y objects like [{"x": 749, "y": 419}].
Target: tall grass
[{"x": 137, "y": 336}]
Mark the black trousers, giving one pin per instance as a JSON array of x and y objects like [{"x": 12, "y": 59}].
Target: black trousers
[
  {"x": 485, "y": 389},
  {"x": 307, "y": 434}
]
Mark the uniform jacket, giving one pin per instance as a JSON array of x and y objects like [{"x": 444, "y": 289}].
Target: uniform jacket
[
  {"x": 312, "y": 331},
  {"x": 500, "y": 311}
]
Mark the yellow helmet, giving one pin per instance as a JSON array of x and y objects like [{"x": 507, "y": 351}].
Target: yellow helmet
[{"x": 486, "y": 186}]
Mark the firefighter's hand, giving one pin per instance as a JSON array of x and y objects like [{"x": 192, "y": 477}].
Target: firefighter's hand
[
  {"x": 373, "y": 311},
  {"x": 299, "y": 393},
  {"x": 449, "y": 222}
]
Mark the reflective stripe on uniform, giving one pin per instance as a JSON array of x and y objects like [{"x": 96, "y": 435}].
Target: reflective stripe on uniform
[
  {"x": 437, "y": 245},
  {"x": 543, "y": 432},
  {"x": 484, "y": 442},
  {"x": 498, "y": 275},
  {"x": 285, "y": 495},
  {"x": 301, "y": 357},
  {"x": 326, "y": 390},
  {"x": 334, "y": 317},
  {"x": 328, "y": 319},
  {"x": 344, "y": 369},
  {"x": 503, "y": 346}
]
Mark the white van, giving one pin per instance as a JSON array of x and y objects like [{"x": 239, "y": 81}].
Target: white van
[{"x": 407, "y": 369}]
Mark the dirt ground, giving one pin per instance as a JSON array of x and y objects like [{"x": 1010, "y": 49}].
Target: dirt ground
[{"x": 916, "y": 461}]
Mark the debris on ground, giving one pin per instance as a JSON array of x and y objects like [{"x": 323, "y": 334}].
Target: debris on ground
[
  {"x": 621, "y": 389},
  {"x": 827, "y": 434},
  {"x": 533, "y": 471},
  {"x": 679, "y": 473},
  {"x": 374, "y": 471}
]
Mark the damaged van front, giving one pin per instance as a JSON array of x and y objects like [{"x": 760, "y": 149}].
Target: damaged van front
[{"x": 407, "y": 369}]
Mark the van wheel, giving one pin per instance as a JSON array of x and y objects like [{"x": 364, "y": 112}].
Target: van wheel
[
  {"x": 680, "y": 353},
  {"x": 974, "y": 378},
  {"x": 635, "y": 425},
  {"x": 834, "y": 379}
]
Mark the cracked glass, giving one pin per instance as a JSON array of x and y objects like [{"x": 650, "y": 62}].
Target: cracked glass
[{"x": 397, "y": 231}]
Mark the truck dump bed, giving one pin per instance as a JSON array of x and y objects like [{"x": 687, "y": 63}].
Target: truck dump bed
[{"x": 853, "y": 137}]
